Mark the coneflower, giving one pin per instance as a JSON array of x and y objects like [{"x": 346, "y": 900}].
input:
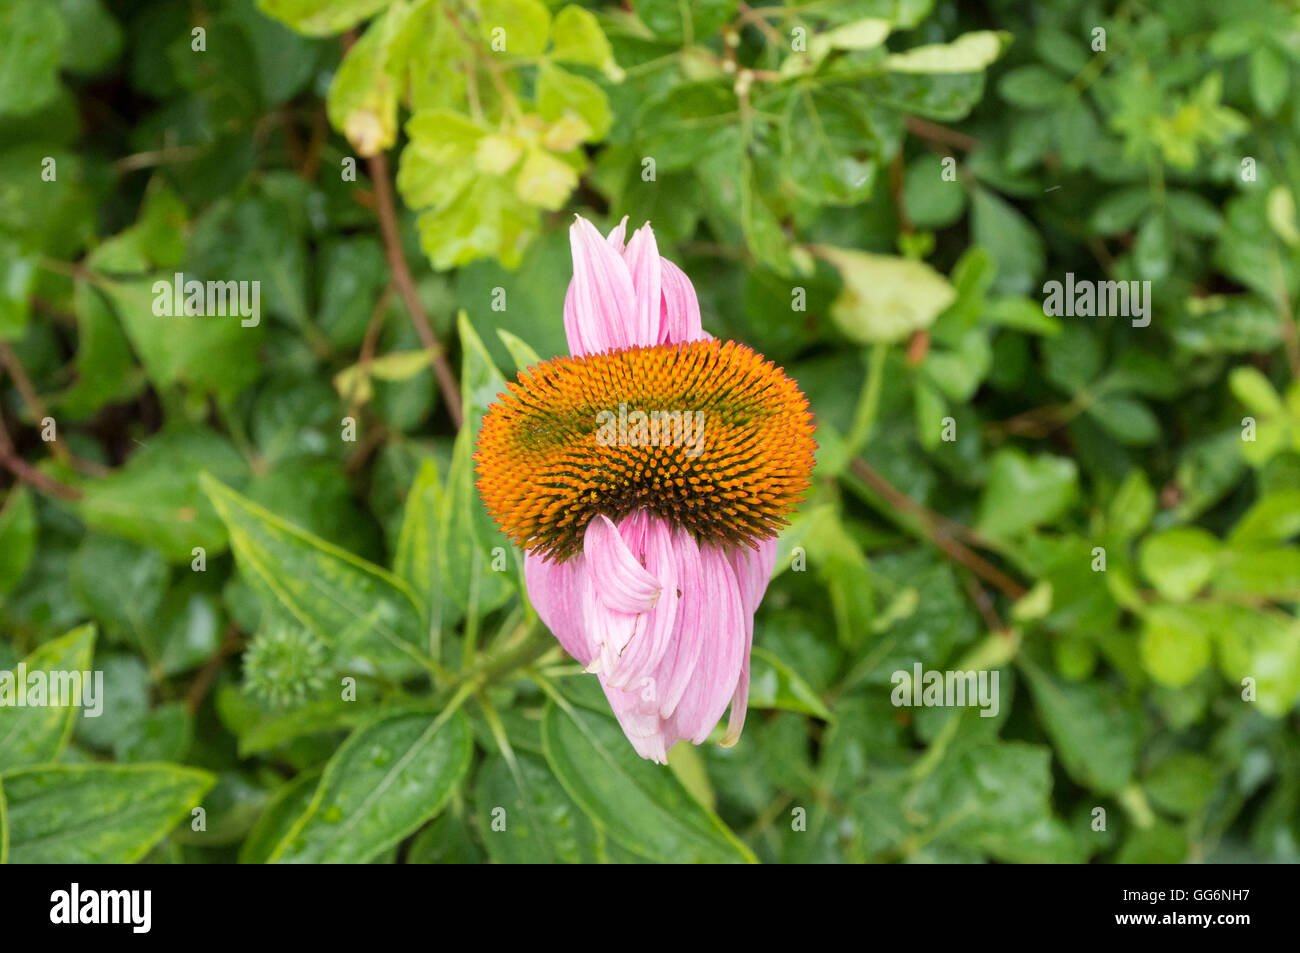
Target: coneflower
[{"x": 646, "y": 478}]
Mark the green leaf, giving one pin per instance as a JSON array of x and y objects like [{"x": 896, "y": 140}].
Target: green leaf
[
  {"x": 386, "y": 780},
  {"x": 17, "y": 279},
  {"x": 579, "y": 39},
  {"x": 969, "y": 53},
  {"x": 684, "y": 126},
  {"x": 1270, "y": 75},
  {"x": 32, "y": 37},
  {"x": 1269, "y": 573},
  {"x": 522, "y": 25},
  {"x": 119, "y": 583},
  {"x": 1274, "y": 518},
  {"x": 96, "y": 813},
  {"x": 1176, "y": 643},
  {"x": 421, "y": 543},
  {"x": 362, "y": 100},
  {"x": 321, "y": 17},
  {"x": 1023, "y": 492},
  {"x": 674, "y": 21},
  {"x": 355, "y": 607},
  {"x": 472, "y": 535},
  {"x": 993, "y": 798},
  {"x": 885, "y": 298},
  {"x": 99, "y": 38},
  {"x": 33, "y": 733},
  {"x": 285, "y": 807},
  {"x": 863, "y": 34},
  {"x": 17, "y": 537},
  {"x": 640, "y": 805},
  {"x": 106, "y": 371},
  {"x": 487, "y": 220},
  {"x": 542, "y": 825},
  {"x": 931, "y": 200},
  {"x": 1120, "y": 211},
  {"x": 560, "y": 93},
  {"x": 1255, "y": 391},
  {"x": 545, "y": 180},
  {"x": 1179, "y": 561},
  {"x": 1129, "y": 421},
  {"x": 155, "y": 499},
  {"x": 212, "y": 353},
  {"x": 1095, "y": 731},
  {"x": 774, "y": 684},
  {"x": 830, "y": 146},
  {"x": 523, "y": 354},
  {"x": 1013, "y": 242},
  {"x": 1032, "y": 87},
  {"x": 1182, "y": 783},
  {"x": 1263, "y": 647}
]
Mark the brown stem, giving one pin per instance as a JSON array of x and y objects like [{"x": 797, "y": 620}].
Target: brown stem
[
  {"x": 941, "y": 530},
  {"x": 941, "y": 134},
  {"x": 406, "y": 286},
  {"x": 231, "y": 642},
  {"x": 24, "y": 471},
  {"x": 748, "y": 15},
  {"x": 28, "y": 391}
]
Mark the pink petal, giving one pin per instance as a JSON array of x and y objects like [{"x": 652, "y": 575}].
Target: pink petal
[
  {"x": 643, "y": 261},
  {"x": 682, "y": 655},
  {"x": 753, "y": 570},
  {"x": 651, "y": 539},
  {"x": 679, "y": 320},
  {"x": 621, "y": 582},
  {"x": 718, "y": 669},
  {"x": 640, "y": 722},
  {"x": 616, "y": 235},
  {"x": 609, "y": 630},
  {"x": 600, "y": 306},
  {"x": 555, "y": 589}
]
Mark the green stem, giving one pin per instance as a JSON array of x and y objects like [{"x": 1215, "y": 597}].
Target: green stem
[{"x": 864, "y": 418}]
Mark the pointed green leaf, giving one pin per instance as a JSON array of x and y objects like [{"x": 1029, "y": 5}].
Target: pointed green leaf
[
  {"x": 96, "y": 813},
  {"x": 352, "y": 605},
  {"x": 640, "y": 805},
  {"x": 32, "y": 734},
  {"x": 387, "y": 779}
]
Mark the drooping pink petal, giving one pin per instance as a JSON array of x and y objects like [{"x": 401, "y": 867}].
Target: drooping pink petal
[
  {"x": 679, "y": 660},
  {"x": 600, "y": 305},
  {"x": 644, "y": 263},
  {"x": 753, "y": 569},
  {"x": 718, "y": 668},
  {"x": 680, "y": 318},
  {"x": 637, "y": 716},
  {"x": 650, "y": 538},
  {"x": 619, "y": 595},
  {"x": 621, "y": 582},
  {"x": 555, "y": 589}
]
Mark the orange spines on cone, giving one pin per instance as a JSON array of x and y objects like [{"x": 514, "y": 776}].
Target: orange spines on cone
[{"x": 547, "y": 465}]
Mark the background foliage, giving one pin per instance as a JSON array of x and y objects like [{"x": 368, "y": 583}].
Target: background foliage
[{"x": 796, "y": 149}]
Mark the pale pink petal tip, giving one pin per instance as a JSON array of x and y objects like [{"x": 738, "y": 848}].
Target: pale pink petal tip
[
  {"x": 665, "y": 624},
  {"x": 625, "y": 294}
]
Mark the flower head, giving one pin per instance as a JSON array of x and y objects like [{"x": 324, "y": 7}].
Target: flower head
[{"x": 646, "y": 478}]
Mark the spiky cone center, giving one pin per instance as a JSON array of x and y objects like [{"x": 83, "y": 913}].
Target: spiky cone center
[{"x": 707, "y": 435}]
